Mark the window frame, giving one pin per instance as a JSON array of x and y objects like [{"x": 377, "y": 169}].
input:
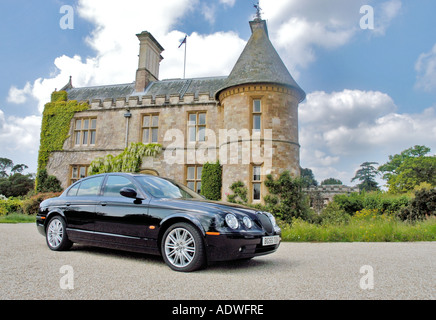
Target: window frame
[
  {"x": 81, "y": 133},
  {"x": 256, "y": 182},
  {"x": 255, "y": 113},
  {"x": 197, "y": 126},
  {"x": 150, "y": 127},
  {"x": 72, "y": 179},
  {"x": 196, "y": 180}
]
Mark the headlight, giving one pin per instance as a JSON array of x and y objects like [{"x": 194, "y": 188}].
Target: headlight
[
  {"x": 271, "y": 218},
  {"x": 247, "y": 222},
  {"x": 231, "y": 221}
]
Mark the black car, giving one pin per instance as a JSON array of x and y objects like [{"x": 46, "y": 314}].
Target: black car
[{"x": 149, "y": 214}]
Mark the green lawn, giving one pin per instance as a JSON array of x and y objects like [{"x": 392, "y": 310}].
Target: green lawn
[
  {"x": 377, "y": 230},
  {"x": 17, "y": 218}
]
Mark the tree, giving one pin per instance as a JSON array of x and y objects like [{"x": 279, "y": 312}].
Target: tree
[
  {"x": 390, "y": 168},
  {"x": 409, "y": 169},
  {"x": 308, "y": 178},
  {"x": 366, "y": 174},
  {"x": 5, "y": 164},
  {"x": 330, "y": 181},
  {"x": 413, "y": 172}
]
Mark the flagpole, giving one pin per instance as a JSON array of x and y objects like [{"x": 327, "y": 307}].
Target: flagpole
[{"x": 184, "y": 67}]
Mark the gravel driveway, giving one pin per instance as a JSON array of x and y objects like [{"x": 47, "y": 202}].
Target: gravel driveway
[{"x": 29, "y": 270}]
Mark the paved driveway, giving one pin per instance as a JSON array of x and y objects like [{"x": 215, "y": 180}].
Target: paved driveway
[{"x": 29, "y": 270}]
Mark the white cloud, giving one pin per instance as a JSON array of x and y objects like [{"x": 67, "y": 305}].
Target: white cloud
[
  {"x": 341, "y": 130},
  {"x": 208, "y": 11},
  {"x": 116, "y": 46},
  {"x": 229, "y": 3},
  {"x": 388, "y": 11},
  {"x": 19, "y": 96},
  {"x": 300, "y": 28},
  {"x": 19, "y": 138},
  {"x": 426, "y": 70}
]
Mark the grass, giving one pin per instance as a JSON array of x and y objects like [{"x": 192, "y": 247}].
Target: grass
[
  {"x": 18, "y": 218},
  {"x": 374, "y": 229},
  {"x": 368, "y": 230}
]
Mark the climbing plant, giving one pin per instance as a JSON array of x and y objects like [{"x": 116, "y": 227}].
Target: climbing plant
[
  {"x": 129, "y": 160},
  {"x": 55, "y": 126}
]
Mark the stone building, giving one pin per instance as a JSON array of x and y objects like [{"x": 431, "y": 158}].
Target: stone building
[{"x": 248, "y": 120}]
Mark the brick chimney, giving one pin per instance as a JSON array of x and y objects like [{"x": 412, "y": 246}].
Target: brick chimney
[{"x": 149, "y": 59}]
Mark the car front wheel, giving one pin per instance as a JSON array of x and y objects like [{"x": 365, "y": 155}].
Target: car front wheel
[
  {"x": 56, "y": 235},
  {"x": 183, "y": 248}
]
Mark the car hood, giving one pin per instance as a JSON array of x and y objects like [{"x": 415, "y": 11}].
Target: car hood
[{"x": 208, "y": 206}]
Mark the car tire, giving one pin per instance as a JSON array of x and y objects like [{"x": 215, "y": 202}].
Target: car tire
[
  {"x": 182, "y": 248},
  {"x": 56, "y": 235}
]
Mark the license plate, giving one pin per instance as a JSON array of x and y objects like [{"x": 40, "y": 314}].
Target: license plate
[{"x": 269, "y": 241}]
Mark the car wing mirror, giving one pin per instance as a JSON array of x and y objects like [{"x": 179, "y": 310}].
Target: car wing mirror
[{"x": 130, "y": 193}]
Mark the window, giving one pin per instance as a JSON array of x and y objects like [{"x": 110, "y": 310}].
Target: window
[
  {"x": 150, "y": 128},
  {"x": 78, "y": 172},
  {"x": 256, "y": 183},
  {"x": 114, "y": 184},
  {"x": 193, "y": 178},
  {"x": 73, "y": 191},
  {"x": 90, "y": 187},
  {"x": 85, "y": 132},
  {"x": 257, "y": 115},
  {"x": 197, "y": 126}
]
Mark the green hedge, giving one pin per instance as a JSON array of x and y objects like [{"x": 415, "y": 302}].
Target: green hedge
[{"x": 211, "y": 181}]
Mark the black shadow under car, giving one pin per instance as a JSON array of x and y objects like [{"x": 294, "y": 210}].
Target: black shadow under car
[{"x": 153, "y": 215}]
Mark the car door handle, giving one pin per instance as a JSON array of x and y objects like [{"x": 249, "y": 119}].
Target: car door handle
[
  {"x": 104, "y": 204},
  {"x": 68, "y": 204}
]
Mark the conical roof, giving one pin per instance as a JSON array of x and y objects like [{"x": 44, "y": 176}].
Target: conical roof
[{"x": 260, "y": 63}]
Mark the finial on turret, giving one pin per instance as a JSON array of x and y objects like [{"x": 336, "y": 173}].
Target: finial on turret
[{"x": 258, "y": 11}]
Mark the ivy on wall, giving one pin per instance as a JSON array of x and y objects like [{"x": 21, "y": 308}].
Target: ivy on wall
[
  {"x": 55, "y": 126},
  {"x": 129, "y": 160}
]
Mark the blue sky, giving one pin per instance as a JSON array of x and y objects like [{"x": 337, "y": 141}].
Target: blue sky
[{"x": 370, "y": 92}]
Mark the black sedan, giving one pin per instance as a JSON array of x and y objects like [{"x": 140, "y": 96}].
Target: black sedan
[{"x": 149, "y": 214}]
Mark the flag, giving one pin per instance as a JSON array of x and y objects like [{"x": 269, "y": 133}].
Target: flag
[{"x": 184, "y": 41}]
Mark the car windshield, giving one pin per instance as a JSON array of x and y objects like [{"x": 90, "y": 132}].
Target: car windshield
[{"x": 162, "y": 188}]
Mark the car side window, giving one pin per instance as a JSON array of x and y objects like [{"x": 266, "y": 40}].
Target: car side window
[
  {"x": 114, "y": 184},
  {"x": 90, "y": 187},
  {"x": 73, "y": 191}
]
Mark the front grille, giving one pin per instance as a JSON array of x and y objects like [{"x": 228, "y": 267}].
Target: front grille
[{"x": 265, "y": 222}]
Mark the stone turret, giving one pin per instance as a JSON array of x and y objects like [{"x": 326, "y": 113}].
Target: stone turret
[{"x": 261, "y": 95}]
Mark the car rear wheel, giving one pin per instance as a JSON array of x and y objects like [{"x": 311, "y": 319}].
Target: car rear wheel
[
  {"x": 182, "y": 248},
  {"x": 56, "y": 235}
]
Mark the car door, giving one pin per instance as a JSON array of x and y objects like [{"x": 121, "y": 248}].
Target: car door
[
  {"x": 80, "y": 205},
  {"x": 120, "y": 219}
]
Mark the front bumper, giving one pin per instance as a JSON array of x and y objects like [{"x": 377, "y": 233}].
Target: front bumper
[
  {"x": 225, "y": 247},
  {"x": 40, "y": 225}
]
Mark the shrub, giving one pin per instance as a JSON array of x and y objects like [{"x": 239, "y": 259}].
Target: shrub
[
  {"x": 211, "y": 181},
  {"x": 333, "y": 214},
  {"x": 349, "y": 203},
  {"x": 423, "y": 205},
  {"x": 383, "y": 202},
  {"x": 10, "y": 205},
  {"x": 47, "y": 183},
  {"x": 239, "y": 193},
  {"x": 286, "y": 199},
  {"x": 30, "y": 206}
]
